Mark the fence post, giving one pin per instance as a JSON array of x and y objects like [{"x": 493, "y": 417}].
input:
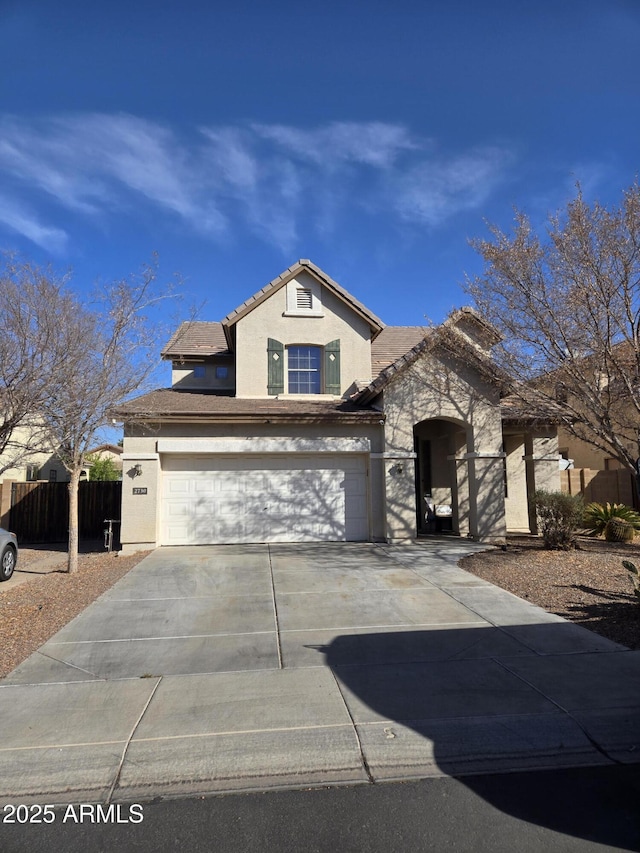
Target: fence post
[
  {"x": 6, "y": 488},
  {"x": 565, "y": 482}
]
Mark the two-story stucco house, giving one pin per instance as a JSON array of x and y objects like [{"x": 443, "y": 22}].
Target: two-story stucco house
[{"x": 302, "y": 417}]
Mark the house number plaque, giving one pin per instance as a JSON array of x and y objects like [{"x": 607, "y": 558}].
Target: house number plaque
[{"x": 140, "y": 491}]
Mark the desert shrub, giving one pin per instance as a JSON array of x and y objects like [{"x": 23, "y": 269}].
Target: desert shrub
[
  {"x": 103, "y": 468},
  {"x": 559, "y": 516},
  {"x": 635, "y": 576},
  {"x": 597, "y": 518}
]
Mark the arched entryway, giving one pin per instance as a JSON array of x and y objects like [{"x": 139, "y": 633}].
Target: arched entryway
[{"x": 442, "y": 483}]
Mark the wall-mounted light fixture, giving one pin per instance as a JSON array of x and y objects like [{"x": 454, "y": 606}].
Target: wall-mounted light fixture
[
  {"x": 137, "y": 470},
  {"x": 399, "y": 468}
]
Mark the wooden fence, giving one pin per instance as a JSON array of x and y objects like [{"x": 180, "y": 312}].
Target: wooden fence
[
  {"x": 600, "y": 486},
  {"x": 38, "y": 512}
]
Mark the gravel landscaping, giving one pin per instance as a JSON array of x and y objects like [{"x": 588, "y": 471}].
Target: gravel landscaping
[
  {"x": 34, "y": 611},
  {"x": 588, "y": 586}
]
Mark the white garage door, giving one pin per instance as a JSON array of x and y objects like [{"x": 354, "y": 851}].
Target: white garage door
[{"x": 210, "y": 500}]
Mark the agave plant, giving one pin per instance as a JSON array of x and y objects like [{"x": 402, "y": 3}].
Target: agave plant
[{"x": 597, "y": 516}]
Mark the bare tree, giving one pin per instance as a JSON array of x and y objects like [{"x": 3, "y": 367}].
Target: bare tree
[
  {"x": 568, "y": 306},
  {"x": 33, "y": 347},
  {"x": 112, "y": 347}
]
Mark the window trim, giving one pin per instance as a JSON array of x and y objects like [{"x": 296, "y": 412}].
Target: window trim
[
  {"x": 292, "y": 305},
  {"x": 316, "y": 372},
  {"x": 304, "y": 299}
]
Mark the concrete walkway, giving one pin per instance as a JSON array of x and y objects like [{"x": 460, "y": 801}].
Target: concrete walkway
[{"x": 248, "y": 667}]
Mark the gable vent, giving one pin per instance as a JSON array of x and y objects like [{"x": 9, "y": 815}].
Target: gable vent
[{"x": 303, "y": 298}]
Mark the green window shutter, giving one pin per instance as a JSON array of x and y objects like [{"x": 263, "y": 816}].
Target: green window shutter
[
  {"x": 332, "y": 368},
  {"x": 275, "y": 378}
]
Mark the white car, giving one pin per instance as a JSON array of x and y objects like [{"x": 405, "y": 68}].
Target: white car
[{"x": 8, "y": 554}]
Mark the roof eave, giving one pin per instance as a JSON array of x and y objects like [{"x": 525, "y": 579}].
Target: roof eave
[
  {"x": 189, "y": 355},
  {"x": 230, "y": 417},
  {"x": 529, "y": 420}
]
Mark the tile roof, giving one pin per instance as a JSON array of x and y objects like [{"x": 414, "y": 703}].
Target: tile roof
[
  {"x": 460, "y": 348},
  {"x": 106, "y": 448},
  {"x": 168, "y": 402},
  {"x": 518, "y": 410},
  {"x": 197, "y": 339},
  {"x": 392, "y": 343}
]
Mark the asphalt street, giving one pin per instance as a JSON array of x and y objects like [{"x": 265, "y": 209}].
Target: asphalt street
[{"x": 572, "y": 810}]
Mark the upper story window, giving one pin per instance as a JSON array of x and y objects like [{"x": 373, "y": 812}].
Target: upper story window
[
  {"x": 304, "y": 370},
  {"x": 222, "y": 372},
  {"x": 199, "y": 371}
]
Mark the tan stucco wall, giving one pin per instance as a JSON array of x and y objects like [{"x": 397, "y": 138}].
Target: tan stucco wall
[
  {"x": 543, "y": 472},
  {"x": 584, "y": 455},
  {"x": 45, "y": 464},
  {"x": 182, "y": 375},
  {"x": 435, "y": 388},
  {"x": 516, "y": 504},
  {"x": 139, "y": 512},
  {"x": 45, "y": 461},
  {"x": 109, "y": 454},
  {"x": 270, "y": 320}
]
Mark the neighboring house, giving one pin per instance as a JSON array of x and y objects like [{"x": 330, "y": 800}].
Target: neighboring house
[
  {"x": 30, "y": 466},
  {"x": 107, "y": 451},
  {"x": 302, "y": 417},
  {"x": 595, "y": 474},
  {"x": 47, "y": 465},
  {"x": 584, "y": 455},
  {"x": 617, "y": 410}
]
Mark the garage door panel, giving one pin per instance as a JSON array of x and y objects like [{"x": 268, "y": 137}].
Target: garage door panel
[
  {"x": 175, "y": 511},
  {"x": 206, "y": 487},
  {"x": 179, "y": 487},
  {"x": 301, "y": 498}
]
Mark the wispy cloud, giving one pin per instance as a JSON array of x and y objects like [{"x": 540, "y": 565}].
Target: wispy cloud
[
  {"x": 435, "y": 190},
  {"x": 86, "y": 162},
  {"x": 374, "y": 144},
  {"x": 18, "y": 219},
  {"x": 276, "y": 180}
]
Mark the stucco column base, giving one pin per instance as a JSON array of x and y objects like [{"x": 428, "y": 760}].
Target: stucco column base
[
  {"x": 489, "y": 540},
  {"x": 486, "y": 497},
  {"x": 134, "y": 547},
  {"x": 543, "y": 472}
]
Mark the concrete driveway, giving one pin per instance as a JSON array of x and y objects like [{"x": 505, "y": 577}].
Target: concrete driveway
[{"x": 240, "y": 667}]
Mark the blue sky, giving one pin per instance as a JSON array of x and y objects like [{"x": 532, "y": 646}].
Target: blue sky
[{"x": 375, "y": 138}]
